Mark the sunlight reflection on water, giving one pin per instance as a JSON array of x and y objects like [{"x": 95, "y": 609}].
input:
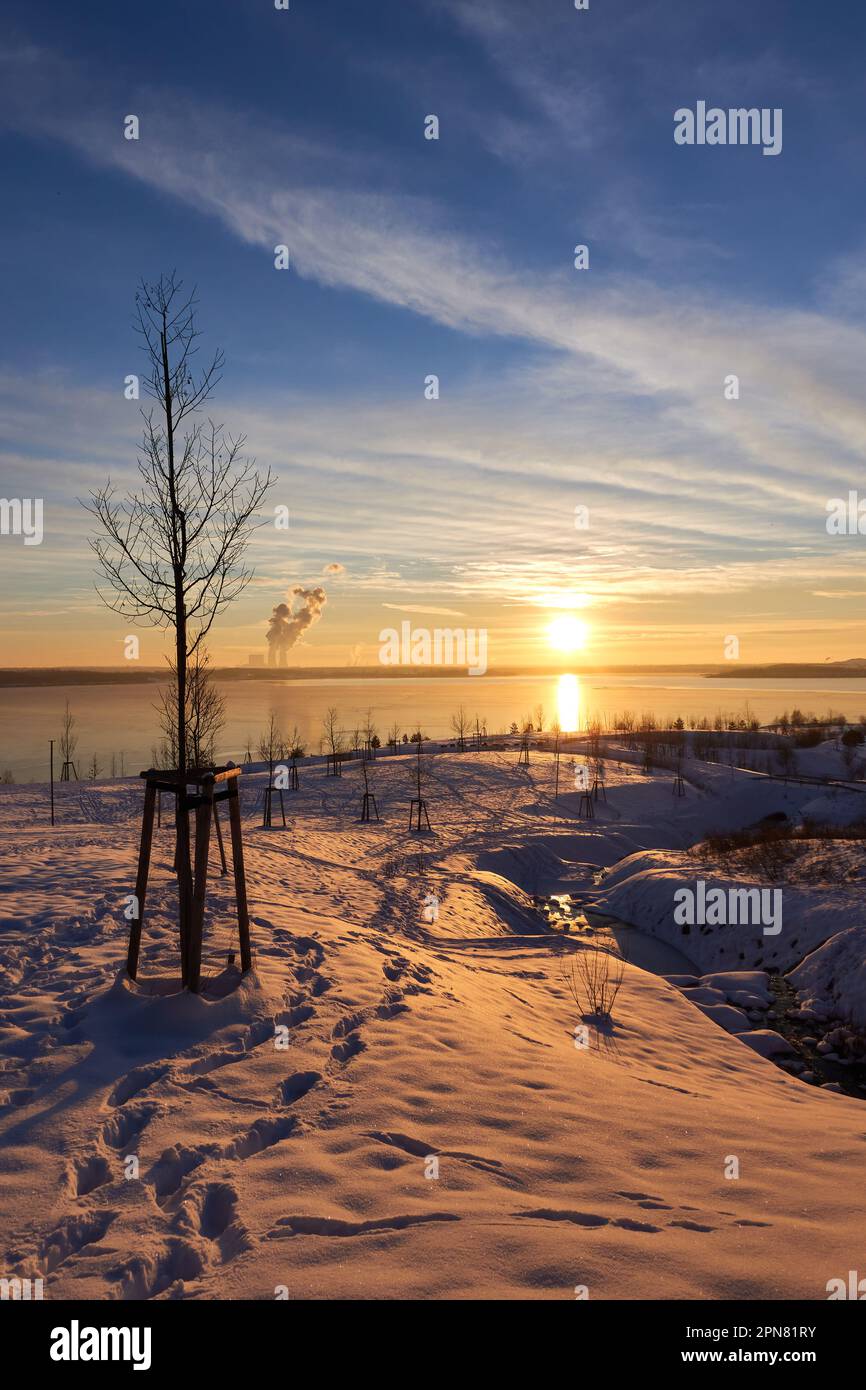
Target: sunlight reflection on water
[{"x": 568, "y": 703}]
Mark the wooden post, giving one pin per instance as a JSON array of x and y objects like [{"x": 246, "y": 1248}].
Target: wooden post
[
  {"x": 51, "y": 741},
  {"x": 240, "y": 877},
  {"x": 204, "y": 811},
  {"x": 184, "y": 878},
  {"x": 141, "y": 881},
  {"x": 216, "y": 821}
]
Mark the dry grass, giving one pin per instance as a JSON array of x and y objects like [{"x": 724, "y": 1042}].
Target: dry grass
[{"x": 593, "y": 977}]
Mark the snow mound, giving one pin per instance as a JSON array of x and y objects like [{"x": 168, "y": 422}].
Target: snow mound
[
  {"x": 835, "y": 976},
  {"x": 732, "y": 1020},
  {"x": 766, "y": 1042},
  {"x": 641, "y": 891}
]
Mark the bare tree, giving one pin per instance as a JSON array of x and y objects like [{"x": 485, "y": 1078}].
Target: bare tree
[
  {"x": 95, "y": 768},
  {"x": 295, "y": 746},
  {"x": 68, "y": 744},
  {"x": 394, "y": 735},
  {"x": 171, "y": 554},
  {"x": 205, "y": 712},
  {"x": 418, "y": 805},
  {"x": 460, "y": 725},
  {"x": 371, "y": 741},
  {"x": 332, "y": 737},
  {"x": 539, "y": 718},
  {"x": 271, "y": 745}
]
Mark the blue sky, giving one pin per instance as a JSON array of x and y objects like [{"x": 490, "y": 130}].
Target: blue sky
[{"x": 601, "y": 388}]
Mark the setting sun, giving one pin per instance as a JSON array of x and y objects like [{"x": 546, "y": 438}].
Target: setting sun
[{"x": 567, "y": 633}]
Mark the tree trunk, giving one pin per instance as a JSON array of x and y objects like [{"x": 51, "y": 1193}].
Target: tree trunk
[{"x": 182, "y": 864}]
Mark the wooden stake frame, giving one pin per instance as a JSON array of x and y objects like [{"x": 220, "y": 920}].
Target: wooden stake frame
[{"x": 211, "y": 787}]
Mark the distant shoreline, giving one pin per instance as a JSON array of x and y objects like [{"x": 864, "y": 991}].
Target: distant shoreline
[{"x": 35, "y": 676}]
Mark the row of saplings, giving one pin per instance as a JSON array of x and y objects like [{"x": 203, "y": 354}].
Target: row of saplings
[{"x": 283, "y": 775}]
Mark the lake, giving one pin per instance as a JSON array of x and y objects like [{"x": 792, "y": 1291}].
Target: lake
[{"x": 120, "y": 720}]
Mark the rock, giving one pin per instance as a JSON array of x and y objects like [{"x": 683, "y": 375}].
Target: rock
[
  {"x": 745, "y": 999},
  {"x": 766, "y": 1042},
  {"x": 809, "y": 1042},
  {"x": 832, "y": 1086},
  {"x": 823, "y": 1046},
  {"x": 755, "y": 982}
]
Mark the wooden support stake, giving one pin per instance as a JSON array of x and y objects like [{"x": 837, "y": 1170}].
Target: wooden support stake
[
  {"x": 141, "y": 882},
  {"x": 203, "y": 814},
  {"x": 184, "y": 880},
  {"x": 240, "y": 876},
  {"x": 216, "y": 821}
]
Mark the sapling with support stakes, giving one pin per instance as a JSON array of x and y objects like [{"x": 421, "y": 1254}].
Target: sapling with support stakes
[
  {"x": 371, "y": 736},
  {"x": 332, "y": 742},
  {"x": 460, "y": 725},
  {"x": 480, "y": 731},
  {"x": 418, "y": 805},
  {"x": 68, "y": 745},
  {"x": 294, "y": 750},
  {"x": 523, "y": 758},
  {"x": 172, "y": 554},
  {"x": 270, "y": 748},
  {"x": 598, "y": 787},
  {"x": 368, "y": 800}
]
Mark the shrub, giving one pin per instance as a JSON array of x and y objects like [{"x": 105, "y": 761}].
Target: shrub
[{"x": 594, "y": 980}]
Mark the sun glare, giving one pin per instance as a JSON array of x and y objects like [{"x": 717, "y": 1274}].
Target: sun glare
[
  {"x": 567, "y": 633},
  {"x": 568, "y": 704}
]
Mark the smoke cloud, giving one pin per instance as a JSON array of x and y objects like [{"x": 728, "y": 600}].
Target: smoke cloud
[{"x": 289, "y": 621}]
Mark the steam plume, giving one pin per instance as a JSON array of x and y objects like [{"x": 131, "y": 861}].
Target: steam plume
[{"x": 289, "y": 621}]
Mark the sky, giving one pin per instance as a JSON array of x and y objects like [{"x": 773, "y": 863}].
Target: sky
[{"x": 598, "y": 396}]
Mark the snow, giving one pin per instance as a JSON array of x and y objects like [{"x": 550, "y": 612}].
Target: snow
[
  {"x": 766, "y": 1042},
  {"x": 832, "y": 979},
  {"x": 416, "y": 1047}
]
